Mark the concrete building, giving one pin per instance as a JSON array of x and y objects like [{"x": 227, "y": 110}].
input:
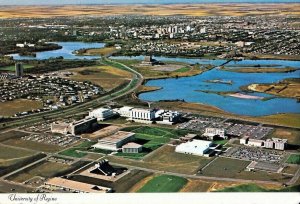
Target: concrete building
[
  {"x": 194, "y": 147},
  {"x": 167, "y": 117},
  {"x": 244, "y": 140},
  {"x": 132, "y": 147},
  {"x": 124, "y": 111},
  {"x": 81, "y": 126},
  {"x": 101, "y": 113},
  {"x": 280, "y": 144},
  {"x": 255, "y": 143},
  {"x": 148, "y": 60},
  {"x": 19, "y": 69},
  {"x": 115, "y": 141},
  {"x": 74, "y": 128},
  {"x": 212, "y": 132},
  {"x": 61, "y": 184},
  {"x": 269, "y": 144},
  {"x": 139, "y": 114}
]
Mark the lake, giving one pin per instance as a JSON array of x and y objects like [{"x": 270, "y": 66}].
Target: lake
[
  {"x": 185, "y": 88},
  {"x": 66, "y": 52}
]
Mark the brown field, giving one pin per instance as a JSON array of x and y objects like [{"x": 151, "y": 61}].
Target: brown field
[
  {"x": 12, "y": 135},
  {"x": 32, "y": 145},
  {"x": 141, "y": 183},
  {"x": 260, "y": 70},
  {"x": 289, "y": 120},
  {"x": 290, "y": 169},
  {"x": 10, "y": 108},
  {"x": 196, "y": 185},
  {"x": 103, "y": 132},
  {"x": 101, "y": 51},
  {"x": 43, "y": 169},
  {"x": 178, "y": 9},
  {"x": 11, "y": 155},
  {"x": 293, "y": 136},
  {"x": 105, "y": 76}
]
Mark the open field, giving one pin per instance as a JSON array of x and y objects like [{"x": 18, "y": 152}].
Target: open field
[
  {"x": 291, "y": 169},
  {"x": 289, "y": 120},
  {"x": 105, "y": 76},
  {"x": 106, "y": 51},
  {"x": 78, "y": 151},
  {"x": 43, "y": 169},
  {"x": 12, "y": 67},
  {"x": 32, "y": 145},
  {"x": 11, "y": 155},
  {"x": 163, "y": 183},
  {"x": 12, "y": 135},
  {"x": 196, "y": 185},
  {"x": 257, "y": 188},
  {"x": 176, "y": 9},
  {"x": 294, "y": 159},
  {"x": 225, "y": 167},
  {"x": 9, "y": 108},
  {"x": 287, "y": 88},
  {"x": 167, "y": 159},
  {"x": 293, "y": 136}
]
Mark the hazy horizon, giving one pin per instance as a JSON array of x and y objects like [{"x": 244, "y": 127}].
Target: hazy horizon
[{"x": 83, "y": 2}]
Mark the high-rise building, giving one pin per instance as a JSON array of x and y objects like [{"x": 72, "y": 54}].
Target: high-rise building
[{"x": 19, "y": 69}]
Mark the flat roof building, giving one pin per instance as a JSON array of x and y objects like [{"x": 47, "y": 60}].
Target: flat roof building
[
  {"x": 141, "y": 114},
  {"x": 58, "y": 183},
  {"x": 115, "y": 141},
  {"x": 102, "y": 113},
  {"x": 212, "y": 132},
  {"x": 255, "y": 143},
  {"x": 124, "y": 111},
  {"x": 132, "y": 147},
  {"x": 280, "y": 144},
  {"x": 194, "y": 147}
]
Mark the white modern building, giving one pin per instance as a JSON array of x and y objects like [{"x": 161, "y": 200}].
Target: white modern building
[
  {"x": 124, "y": 111},
  {"x": 140, "y": 114},
  {"x": 102, "y": 113},
  {"x": 280, "y": 144},
  {"x": 115, "y": 141},
  {"x": 255, "y": 143},
  {"x": 132, "y": 147},
  {"x": 194, "y": 147},
  {"x": 212, "y": 132},
  {"x": 167, "y": 117}
]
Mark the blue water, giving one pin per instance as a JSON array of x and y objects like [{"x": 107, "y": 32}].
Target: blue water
[
  {"x": 66, "y": 51},
  {"x": 185, "y": 88},
  {"x": 60, "y": 2}
]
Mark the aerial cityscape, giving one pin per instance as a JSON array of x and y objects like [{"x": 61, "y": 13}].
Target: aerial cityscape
[{"x": 163, "y": 97}]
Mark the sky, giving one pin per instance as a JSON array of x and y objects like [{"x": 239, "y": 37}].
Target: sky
[{"x": 62, "y": 2}]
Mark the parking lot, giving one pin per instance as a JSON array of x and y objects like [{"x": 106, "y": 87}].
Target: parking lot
[
  {"x": 256, "y": 154},
  {"x": 255, "y": 132},
  {"x": 62, "y": 141}
]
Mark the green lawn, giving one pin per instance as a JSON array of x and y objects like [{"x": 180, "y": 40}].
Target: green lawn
[
  {"x": 77, "y": 150},
  {"x": 164, "y": 183},
  {"x": 12, "y": 67},
  {"x": 294, "y": 159},
  {"x": 221, "y": 142},
  {"x": 183, "y": 69}
]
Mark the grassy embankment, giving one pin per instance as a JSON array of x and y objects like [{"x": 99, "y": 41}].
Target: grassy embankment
[
  {"x": 286, "y": 88},
  {"x": 259, "y": 69}
]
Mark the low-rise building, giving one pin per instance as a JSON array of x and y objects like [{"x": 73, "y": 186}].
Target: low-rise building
[
  {"x": 244, "y": 140},
  {"x": 195, "y": 147},
  {"x": 280, "y": 144},
  {"x": 132, "y": 147},
  {"x": 124, "y": 111},
  {"x": 255, "y": 143},
  {"x": 61, "y": 184},
  {"x": 115, "y": 141},
  {"x": 141, "y": 114},
  {"x": 102, "y": 113},
  {"x": 167, "y": 117},
  {"x": 213, "y": 132}
]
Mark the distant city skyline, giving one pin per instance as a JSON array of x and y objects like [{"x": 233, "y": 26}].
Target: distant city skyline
[{"x": 64, "y": 2}]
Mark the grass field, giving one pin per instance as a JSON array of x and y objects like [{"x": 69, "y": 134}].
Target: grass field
[
  {"x": 12, "y": 67},
  {"x": 101, "y": 51},
  {"x": 10, "y": 108},
  {"x": 43, "y": 169},
  {"x": 233, "y": 9},
  {"x": 225, "y": 167},
  {"x": 293, "y": 136},
  {"x": 163, "y": 183},
  {"x": 33, "y": 145},
  {"x": 168, "y": 160},
  {"x": 294, "y": 159},
  {"x": 105, "y": 76},
  {"x": 11, "y": 155},
  {"x": 256, "y": 188},
  {"x": 78, "y": 151}
]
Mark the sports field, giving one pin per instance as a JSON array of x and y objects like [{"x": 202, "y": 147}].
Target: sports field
[
  {"x": 294, "y": 159},
  {"x": 163, "y": 183}
]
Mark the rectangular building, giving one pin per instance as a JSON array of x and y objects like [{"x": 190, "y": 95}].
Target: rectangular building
[
  {"x": 62, "y": 184},
  {"x": 124, "y": 111},
  {"x": 132, "y": 147},
  {"x": 142, "y": 114},
  {"x": 255, "y": 143},
  {"x": 212, "y": 132},
  {"x": 194, "y": 147},
  {"x": 280, "y": 144},
  {"x": 101, "y": 113},
  {"x": 269, "y": 144},
  {"x": 115, "y": 141},
  {"x": 82, "y": 126}
]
